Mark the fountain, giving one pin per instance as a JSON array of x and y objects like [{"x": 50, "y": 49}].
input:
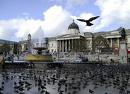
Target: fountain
[
  {"x": 39, "y": 57},
  {"x": 40, "y": 53}
]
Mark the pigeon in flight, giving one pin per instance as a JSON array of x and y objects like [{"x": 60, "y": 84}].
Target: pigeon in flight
[{"x": 88, "y": 22}]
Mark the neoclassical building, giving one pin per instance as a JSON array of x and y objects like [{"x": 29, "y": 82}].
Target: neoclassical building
[
  {"x": 72, "y": 41},
  {"x": 75, "y": 41}
]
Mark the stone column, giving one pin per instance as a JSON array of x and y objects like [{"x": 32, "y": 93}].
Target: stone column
[
  {"x": 72, "y": 44},
  {"x": 76, "y": 46},
  {"x": 63, "y": 45},
  {"x": 69, "y": 45},
  {"x": 59, "y": 46},
  {"x": 79, "y": 45},
  {"x": 111, "y": 42},
  {"x": 76, "y": 43}
]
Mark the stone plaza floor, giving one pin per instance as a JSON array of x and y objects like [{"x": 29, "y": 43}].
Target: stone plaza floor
[{"x": 71, "y": 79}]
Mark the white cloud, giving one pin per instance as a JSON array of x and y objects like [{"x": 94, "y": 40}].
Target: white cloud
[
  {"x": 18, "y": 28},
  {"x": 28, "y": 26},
  {"x": 4, "y": 34},
  {"x": 113, "y": 12},
  {"x": 56, "y": 21}
]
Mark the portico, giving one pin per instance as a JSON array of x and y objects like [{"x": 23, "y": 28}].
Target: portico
[{"x": 70, "y": 43}]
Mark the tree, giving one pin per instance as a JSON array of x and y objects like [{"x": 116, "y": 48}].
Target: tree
[
  {"x": 16, "y": 48},
  {"x": 100, "y": 43},
  {"x": 19, "y": 48},
  {"x": 1, "y": 50},
  {"x": 5, "y": 48}
]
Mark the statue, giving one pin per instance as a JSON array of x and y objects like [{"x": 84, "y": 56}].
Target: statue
[
  {"x": 29, "y": 43},
  {"x": 123, "y": 47},
  {"x": 123, "y": 34}
]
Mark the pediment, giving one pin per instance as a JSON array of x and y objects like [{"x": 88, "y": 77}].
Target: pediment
[{"x": 69, "y": 36}]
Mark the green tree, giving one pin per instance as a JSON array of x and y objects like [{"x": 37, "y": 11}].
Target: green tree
[
  {"x": 16, "y": 48},
  {"x": 1, "y": 51},
  {"x": 19, "y": 49},
  {"x": 5, "y": 48}
]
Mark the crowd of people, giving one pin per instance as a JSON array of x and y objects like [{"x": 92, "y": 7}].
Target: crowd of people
[{"x": 70, "y": 79}]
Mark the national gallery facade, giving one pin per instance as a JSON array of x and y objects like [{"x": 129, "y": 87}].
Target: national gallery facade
[{"x": 75, "y": 41}]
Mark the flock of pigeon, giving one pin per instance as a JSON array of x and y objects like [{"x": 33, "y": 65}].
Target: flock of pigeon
[{"x": 70, "y": 79}]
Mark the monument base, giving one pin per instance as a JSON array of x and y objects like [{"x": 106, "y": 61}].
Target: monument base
[{"x": 123, "y": 56}]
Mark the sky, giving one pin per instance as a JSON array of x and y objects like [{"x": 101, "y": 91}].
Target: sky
[{"x": 18, "y": 18}]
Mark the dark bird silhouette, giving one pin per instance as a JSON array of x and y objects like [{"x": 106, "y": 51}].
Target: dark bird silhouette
[
  {"x": 91, "y": 91},
  {"x": 88, "y": 22}
]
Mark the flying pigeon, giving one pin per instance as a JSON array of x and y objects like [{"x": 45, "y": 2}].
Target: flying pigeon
[{"x": 88, "y": 22}]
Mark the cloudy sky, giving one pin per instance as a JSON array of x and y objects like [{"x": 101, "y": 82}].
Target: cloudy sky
[{"x": 21, "y": 17}]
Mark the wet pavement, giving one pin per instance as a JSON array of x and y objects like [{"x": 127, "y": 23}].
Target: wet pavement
[{"x": 71, "y": 79}]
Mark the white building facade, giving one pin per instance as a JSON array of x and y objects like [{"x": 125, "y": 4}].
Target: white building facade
[{"x": 74, "y": 41}]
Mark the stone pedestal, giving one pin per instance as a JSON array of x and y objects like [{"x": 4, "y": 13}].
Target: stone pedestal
[{"x": 123, "y": 56}]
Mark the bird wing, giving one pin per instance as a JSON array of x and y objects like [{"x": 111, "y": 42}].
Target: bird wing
[
  {"x": 93, "y": 18},
  {"x": 82, "y": 20}
]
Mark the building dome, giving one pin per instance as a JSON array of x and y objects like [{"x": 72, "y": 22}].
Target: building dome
[{"x": 73, "y": 25}]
